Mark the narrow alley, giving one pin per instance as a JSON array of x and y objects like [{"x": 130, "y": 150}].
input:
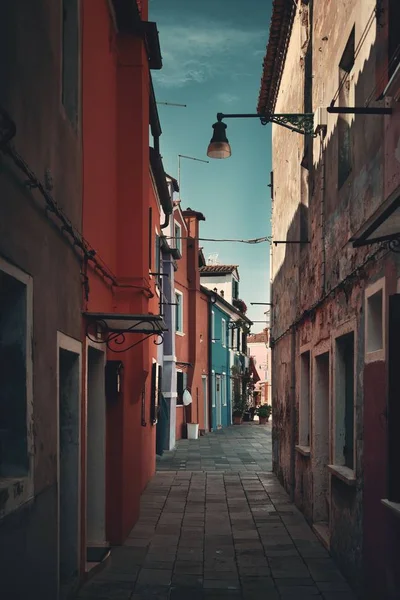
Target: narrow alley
[{"x": 215, "y": 526}]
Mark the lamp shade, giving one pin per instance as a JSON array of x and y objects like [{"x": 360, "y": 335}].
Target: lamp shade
[{"x": 219, "y": 145}]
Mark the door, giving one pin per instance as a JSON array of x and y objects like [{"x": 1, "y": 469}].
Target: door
[
  {"x": 96, "y": 456},
  {"x": 321, "y": 501},
  {"x": 68, "y": 469},
  {"x": 218, "y": 400},
  {"x": 205, "y": 401}
]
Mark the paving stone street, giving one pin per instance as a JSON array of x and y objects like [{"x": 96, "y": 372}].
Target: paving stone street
[
  {"x": 218, "y": 528},
  {"x": 244, "y": 448}
]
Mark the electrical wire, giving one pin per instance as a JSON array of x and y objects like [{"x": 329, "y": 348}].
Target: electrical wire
[{"x": 239, "y": 241}]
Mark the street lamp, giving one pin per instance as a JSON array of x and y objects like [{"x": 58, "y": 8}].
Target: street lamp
[{"x": 298, "y": 122}]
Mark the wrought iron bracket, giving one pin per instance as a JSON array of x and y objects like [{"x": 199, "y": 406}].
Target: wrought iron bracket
[
  {"x": 393, "y": 245},
  {"x": 98, "y": 332},
  {"x": 298, "y": 122}
]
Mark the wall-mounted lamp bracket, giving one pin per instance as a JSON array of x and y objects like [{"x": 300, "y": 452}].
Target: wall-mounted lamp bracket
[
  {"x": 290, "y": 242},
  {"x": 298, "y": 122}
]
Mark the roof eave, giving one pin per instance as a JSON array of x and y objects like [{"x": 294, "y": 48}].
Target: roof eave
[{"x": 283, "y": 12}]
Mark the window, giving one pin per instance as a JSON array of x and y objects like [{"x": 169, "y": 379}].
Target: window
[
  {"x": 212, "y": 326},
  {"x": 244, "y": 342},
  {"x": 394, "y": 36},
  {"x": 346, "y": 98},
  {"x": 374, "y": 322},
  {"x": 156, "y": 383},
  {"x": 156, "y": 253},
  {"x": 178, "y": 237},
  {"x": 178, "y": 312},
  {"x": 304, "y": 408},
  {"x": 224, "y": 390},
  {"x": 70, "y": 59},
  {"x": 16, "y": 437},
  {"x": 223, "y": 332},
  {"x": 344, "y": 401},
  {"x": 181, "y": 382},
  {"x": 374, "y": 319},
  {"x": 235, "y": 288}
]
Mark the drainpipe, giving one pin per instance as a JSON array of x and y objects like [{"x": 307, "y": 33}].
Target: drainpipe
[
  {"x": 323, "y": 175},
  {"x": 166, "y": 222},
  {"x": 293, "y": 415}
]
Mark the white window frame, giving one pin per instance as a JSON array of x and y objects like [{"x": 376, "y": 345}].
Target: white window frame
[
  {"x": 213, "y": 327},
  {"x": 178, "y": 238},
  {"x": 179, "y": 331},
  {"x": 223, "y": 332},
  {"x": 24, "y": 484},
  {"x": 375, "y": 288},
  {"x": 224, "y": 391}
]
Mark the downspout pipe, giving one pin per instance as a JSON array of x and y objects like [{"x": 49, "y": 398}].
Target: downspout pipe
[
  {"x": 293, "y": 415},
  {"x": 166, "y": 222}
]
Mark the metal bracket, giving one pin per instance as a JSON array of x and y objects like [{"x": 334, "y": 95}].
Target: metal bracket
[
  {"x": 393, "y": 245},
  {"x": 290, "y": 242},
  {"x": 299, "y": 123}
]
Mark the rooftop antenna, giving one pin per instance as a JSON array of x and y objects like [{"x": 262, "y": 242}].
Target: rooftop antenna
[
  {"x": 172, "y": 104},
  {"x": 213, "y": 259}
]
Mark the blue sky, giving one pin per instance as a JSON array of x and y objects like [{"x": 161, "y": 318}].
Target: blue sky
[{"x": 212, "y": 62}]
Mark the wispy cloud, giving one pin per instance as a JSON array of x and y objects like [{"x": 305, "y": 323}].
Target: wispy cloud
[
  {"x": 227, "y": 98},
  {"x": 197, "y": 52}
]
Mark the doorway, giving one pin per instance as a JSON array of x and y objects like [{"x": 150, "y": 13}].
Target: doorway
[
  {"x": 321, "y": 504},
  {"x": 69, "y": 384},
  {"x": 96, "y": 456},
  {"x": 205, "y": 401},
  {"x": 218, "y": 401}
]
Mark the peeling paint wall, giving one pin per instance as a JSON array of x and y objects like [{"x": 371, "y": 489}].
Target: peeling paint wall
[{"x": 320, "y": 286}]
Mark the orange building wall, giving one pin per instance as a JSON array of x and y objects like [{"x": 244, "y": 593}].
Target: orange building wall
[{"x": 115, "y": 221}]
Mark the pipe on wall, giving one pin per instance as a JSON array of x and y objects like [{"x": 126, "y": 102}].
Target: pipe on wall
[{"x": 293, "y": 415}]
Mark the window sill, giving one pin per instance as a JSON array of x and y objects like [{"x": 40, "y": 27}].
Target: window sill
[
  {"x": 304, "y": 450},
  {"x": 14, "y": 492},
  {"x": 179, "y": 406},
  {"x": 394, "y": 507},
  {"x": 345, "y": 474},
  {"x": 180, "y": 333}
]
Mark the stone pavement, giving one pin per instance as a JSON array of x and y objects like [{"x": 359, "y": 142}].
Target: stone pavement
[
  {"x": 239, "y": 448},
  {"x": 212, "y": 535}
]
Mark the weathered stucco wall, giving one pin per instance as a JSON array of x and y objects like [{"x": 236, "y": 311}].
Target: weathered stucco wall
[
  {"x": 319, "y": 286},
  {"x": 30, "y": 91}
]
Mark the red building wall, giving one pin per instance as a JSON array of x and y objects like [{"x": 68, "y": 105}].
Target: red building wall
[
  {"x": 182, "y": 341},
  {"x": 117, "y": 197}
]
